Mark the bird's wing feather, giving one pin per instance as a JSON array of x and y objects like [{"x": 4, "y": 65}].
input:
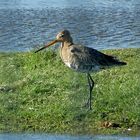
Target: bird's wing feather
[{"x": 91, "y": 56}]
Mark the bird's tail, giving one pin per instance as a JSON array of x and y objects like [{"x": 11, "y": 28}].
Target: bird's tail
[
  {"x": 121, "y": 63},
  {"x": 114, "y": 61}
]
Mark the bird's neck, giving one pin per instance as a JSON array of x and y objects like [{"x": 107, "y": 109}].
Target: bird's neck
[{"x": 66, "y": 44}]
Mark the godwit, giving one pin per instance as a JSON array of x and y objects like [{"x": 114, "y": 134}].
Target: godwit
[{"x": 82, "y": 59}]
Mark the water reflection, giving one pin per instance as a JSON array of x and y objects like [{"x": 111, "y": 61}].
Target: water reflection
[
  {"x": 62, "y": 137},
  {"x": 98, "y": 24}
]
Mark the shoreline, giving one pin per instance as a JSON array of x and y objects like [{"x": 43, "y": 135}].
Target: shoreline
[{"x": 100, "y": 49}]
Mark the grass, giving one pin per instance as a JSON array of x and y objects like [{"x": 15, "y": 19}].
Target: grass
[{"x": 38, "y": 93}]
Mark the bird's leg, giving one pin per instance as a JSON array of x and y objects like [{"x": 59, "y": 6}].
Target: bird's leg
[{"x": 91, "y": 85}]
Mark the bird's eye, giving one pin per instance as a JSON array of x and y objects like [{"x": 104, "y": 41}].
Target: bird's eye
[{"x": 62, "y": 35}]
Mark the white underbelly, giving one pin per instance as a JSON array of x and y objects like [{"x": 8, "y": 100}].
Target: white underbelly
[
  {"x": 82, "y": 68},
  {"x": 68, "y": 64}
]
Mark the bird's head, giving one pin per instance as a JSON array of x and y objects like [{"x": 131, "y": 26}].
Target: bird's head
[{"x": 63, "y": 36}]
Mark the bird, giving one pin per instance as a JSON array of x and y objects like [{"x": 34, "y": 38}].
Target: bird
[{"x": 82, "y": 59}]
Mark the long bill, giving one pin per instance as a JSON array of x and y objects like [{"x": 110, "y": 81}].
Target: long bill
[{"x": 49, "y": 44}]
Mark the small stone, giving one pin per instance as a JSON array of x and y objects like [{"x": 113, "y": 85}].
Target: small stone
[{"x": 129, "y": 129}]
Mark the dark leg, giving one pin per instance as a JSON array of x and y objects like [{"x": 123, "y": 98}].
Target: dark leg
[{"x": 91, "y": 85}]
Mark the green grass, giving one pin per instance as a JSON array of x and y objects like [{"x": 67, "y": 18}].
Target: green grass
[{"x": 38, "y": 93}]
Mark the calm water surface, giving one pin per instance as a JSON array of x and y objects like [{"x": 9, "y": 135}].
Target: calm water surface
[
  {"x": 61, "y": 137},
  {"x": 101, "y": 24}
]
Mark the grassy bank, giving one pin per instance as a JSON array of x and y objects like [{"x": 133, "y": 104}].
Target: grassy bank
[{"x": 39, "y": 94}]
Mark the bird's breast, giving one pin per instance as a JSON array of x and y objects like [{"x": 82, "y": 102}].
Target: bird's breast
[
  {"x": 68, "y": 57},
  {"x": 65, "y": 54}
]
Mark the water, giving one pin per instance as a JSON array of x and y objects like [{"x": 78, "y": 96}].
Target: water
[
  {"x": 101, "y": 24},
  {"x": 62, "y": 137}
]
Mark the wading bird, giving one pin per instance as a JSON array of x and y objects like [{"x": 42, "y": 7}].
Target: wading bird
[{"x": 82, "y": 59}]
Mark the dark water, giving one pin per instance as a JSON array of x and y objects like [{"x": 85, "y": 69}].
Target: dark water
[
  {"x": 101, "y": 24},
  {"x": 62, "y": 137}
]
